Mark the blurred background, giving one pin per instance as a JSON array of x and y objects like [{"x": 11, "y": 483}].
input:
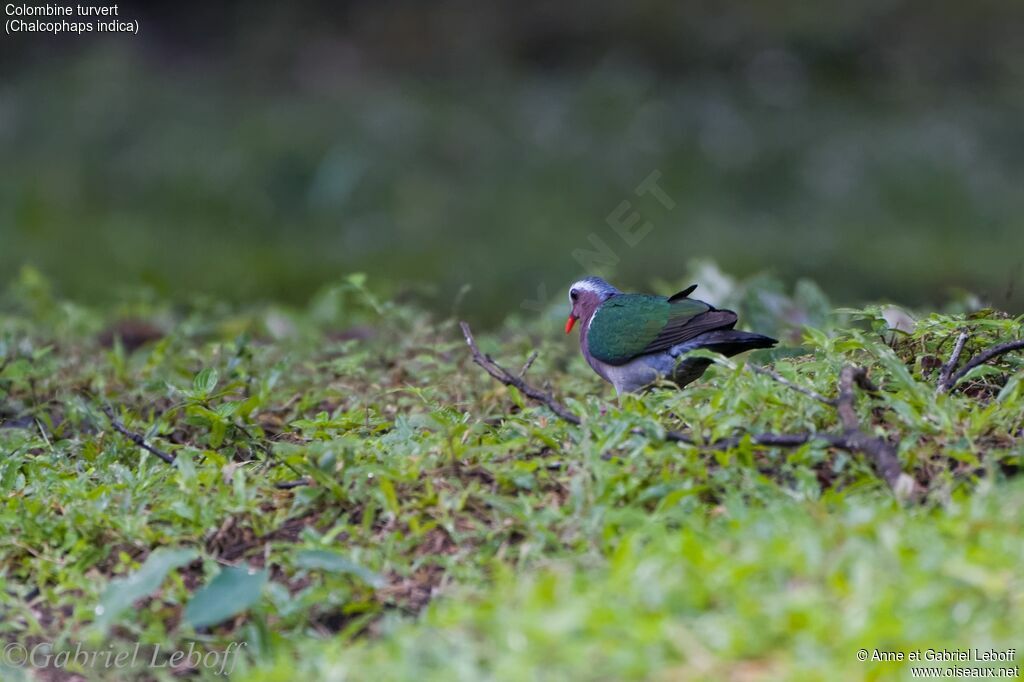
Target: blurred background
[{"x": 251, "y": 150}]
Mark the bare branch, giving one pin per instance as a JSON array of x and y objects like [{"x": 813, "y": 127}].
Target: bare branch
[
  {"x": 136, "y": 438},
  {"x": 770, "y": 440},
  {"x": 945, "y": 377},
  {"x": 878, "y": 451},
  {"x": 505, "y": 377},
  {"x": 983, "y": 357},
  {"x": 288, "y": 485},
  {"x": 528, "y": 364},
  {"x": 169, "y": 459},
  {"x": 844, "y": 404},
  {"x": 810, "y": 393}
]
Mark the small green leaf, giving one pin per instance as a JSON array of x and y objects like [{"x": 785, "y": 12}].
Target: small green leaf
[
  {"x": 390, "y": 498},
  {"x": 218, "y": 430},
  {"x": 1013, "y": 389},
  {"x": 11, "y": 468},
  {"x": 231, "y": 591},
  {"x": 185, "y": 466},
  {"x": 205, "y": 381},
  {"x": 332, "y": 562},
  {"x": 122, "y": 592}
]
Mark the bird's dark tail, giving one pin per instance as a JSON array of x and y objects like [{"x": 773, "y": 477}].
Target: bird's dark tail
[{"x": 730, "y": 342}]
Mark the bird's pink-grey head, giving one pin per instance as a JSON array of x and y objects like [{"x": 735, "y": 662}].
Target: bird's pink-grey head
[{"x": 585, "y": 295}]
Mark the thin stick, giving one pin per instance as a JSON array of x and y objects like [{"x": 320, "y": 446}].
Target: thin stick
[
  {"x": 509, "y": 379},
  {"x": 810, "y": 393},
  {"x": 288, "y": 485},
  {"x": 878, "y": 451},
  {"x": 945, "y": 382},
  {"x": 983, "y": 357},
  {"x": 136, "y": 438},
  {"x": 141, "y": 442},
  {"x": 529, "y": 363}
]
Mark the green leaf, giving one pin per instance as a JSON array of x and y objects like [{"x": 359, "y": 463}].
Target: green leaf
[
  {"x": 11, "y": 468},
  {"x": 1013, "y": 389},
  {"x": 204, "y": 382},
  {"x": 122, "y": 592},
  {"x": 185, "y": 466},
  {"x": 333, "y": 562},
  {"x": 218, "y": 430},
  {"x": 390, "y": 498},
  {"x": 231, "y": 591}
]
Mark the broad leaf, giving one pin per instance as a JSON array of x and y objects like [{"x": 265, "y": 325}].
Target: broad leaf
[
  {"x": 122, "y": 592},
  {"x": 325, "y": 560},
  {"x": 231, "y": 591},
  {"x": 205, "y": 381}
]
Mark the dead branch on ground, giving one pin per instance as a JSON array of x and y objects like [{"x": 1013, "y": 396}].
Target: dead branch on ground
[
  {"x": 139, "y": 440},
  {"x": 946, "y": 374},
  {"x": 878, "y": 451},
  {"x": 136, "y": 438},
  {"x": 978, "y": 360}
]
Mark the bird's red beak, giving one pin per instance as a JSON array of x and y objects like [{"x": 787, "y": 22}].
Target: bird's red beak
[{"x": 570, "y": 322}]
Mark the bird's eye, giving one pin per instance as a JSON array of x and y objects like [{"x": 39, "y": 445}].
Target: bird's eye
[{"x": 573, "y": 294}]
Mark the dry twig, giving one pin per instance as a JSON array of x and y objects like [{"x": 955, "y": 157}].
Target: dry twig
[
  {"x": 878, "y": 451},
  {"x": 810, "y": 393},
  {"x": 528, "y": 364},
  {"x": 169, "y": 459},
  {"x": 136, "y": 438},
  {"x": 288, "y": 485},
  {"x": 945, "y": 376},
  {"x": 983, "y": 357},
  {"x": 509, "y": 379}
]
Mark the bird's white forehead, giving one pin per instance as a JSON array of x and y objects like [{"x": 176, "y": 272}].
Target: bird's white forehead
[
  {"x": 594, "y": 285},
  {"x": 586, "y": 285}
]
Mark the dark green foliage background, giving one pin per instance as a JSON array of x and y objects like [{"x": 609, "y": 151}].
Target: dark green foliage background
[{"x": 257, "y": 150}]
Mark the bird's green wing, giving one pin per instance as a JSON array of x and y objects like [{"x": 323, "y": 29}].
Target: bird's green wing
[{"x": 629, "y": 325}]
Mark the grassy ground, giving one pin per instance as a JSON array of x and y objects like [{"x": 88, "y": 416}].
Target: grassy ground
[{"x": 449, "y": 529}]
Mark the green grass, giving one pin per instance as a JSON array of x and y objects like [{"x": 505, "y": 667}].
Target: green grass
[
  {"x": 788, "y": 590},
  {"x": 453, "y": 530}
]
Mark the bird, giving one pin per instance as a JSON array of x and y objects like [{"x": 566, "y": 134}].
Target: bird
[{"x": 634, "y": 341}]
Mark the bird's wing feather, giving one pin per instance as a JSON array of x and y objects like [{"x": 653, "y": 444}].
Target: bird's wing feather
[
  {"x": 682, "y": 329},
  {"x": 629, "y": 325},
  {"x": 685, "y": 293}
]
